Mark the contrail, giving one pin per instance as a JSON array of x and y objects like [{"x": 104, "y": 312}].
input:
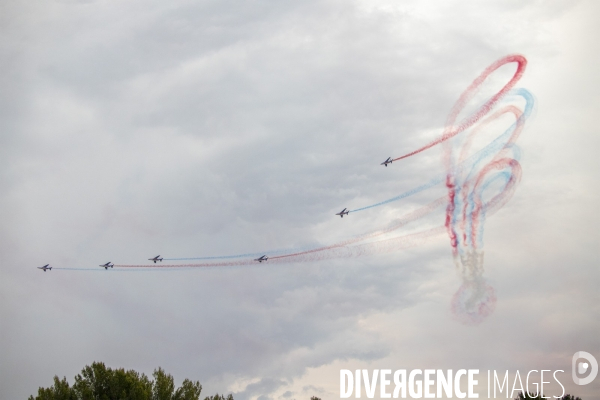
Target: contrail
[
  {"x": 315, "y": 253},
  {"x": 452, "y": 129},
  {"x": 477, "y": 184},
  {"x": 245, "y": 255}
]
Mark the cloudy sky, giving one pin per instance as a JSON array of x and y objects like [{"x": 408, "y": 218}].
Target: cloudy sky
[{"x": 207, "y": 128}]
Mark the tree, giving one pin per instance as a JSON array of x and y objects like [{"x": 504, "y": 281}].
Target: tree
[
  {"x": 60, "y": 391},
  {"x": 189, "y": 391},
  {"x": 97, "y": 382},
  {"x": 529, "y": 395},
  {"x": 219, "y": 397},
  {"x": 540, "y": 396},
  {"x": 164, "y": 385},
  {"x": 569, "y": 397}
]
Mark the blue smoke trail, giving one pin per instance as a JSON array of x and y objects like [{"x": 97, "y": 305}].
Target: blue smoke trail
[
  {"x": 501, "y": 142},
  {"x": 404, "y": 195},
  {"x": 246, "y": 255},
  {"x": 474, "y": 159},
  {"x": 110, "y": 270},
  {"x": 471, "y": 164}
]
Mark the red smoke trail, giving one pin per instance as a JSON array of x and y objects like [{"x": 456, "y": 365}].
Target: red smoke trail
[
  {"x": 501, "y": 198},
  {"x": 466, "y": 186},
  {"x": 413, "y": 216},
  {"x": 473, "y": 302},
  {"x": 451, "y": 130},
  {"x": 475, "y": 298},
  {"x": 465, "y": 208},
  {"x": 339, "y": 248},
  {"x": 382, "y": 246}
]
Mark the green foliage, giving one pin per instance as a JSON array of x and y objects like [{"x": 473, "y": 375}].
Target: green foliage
[
  {"x": 569, "y": 397},
  {"x": 60, "y": 391},
  {"x": 97, "y": 382},
  {"x": 164, "y": 385},
  {"x": 529, "y": 395},
  {"x": 219, "y": 397},
  {"x": 540, "y": 396},
  {"x": 189, "y": 391}
]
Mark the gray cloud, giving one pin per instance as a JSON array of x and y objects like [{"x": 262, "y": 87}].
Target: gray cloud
[{"x": 209, "y": 128}]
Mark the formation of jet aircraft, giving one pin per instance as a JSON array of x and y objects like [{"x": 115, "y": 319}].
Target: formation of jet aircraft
[{"x": 107, "y": 265}]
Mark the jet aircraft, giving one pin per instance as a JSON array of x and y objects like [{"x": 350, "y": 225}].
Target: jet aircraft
[
  {"x": 341, "y": 213},
  {"x": 388, "y": 161},
  {"x": 155, "y": 259},
  {"x": 45, "y": 267},
  {"x": 107, "y": 265},
  {"x": 261, "y": 258}
]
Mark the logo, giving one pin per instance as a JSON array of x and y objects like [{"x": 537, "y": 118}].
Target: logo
[{"x": 579, "y": 367}]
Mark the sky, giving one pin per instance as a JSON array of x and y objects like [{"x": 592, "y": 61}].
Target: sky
[{"x": 204, "y": 128}]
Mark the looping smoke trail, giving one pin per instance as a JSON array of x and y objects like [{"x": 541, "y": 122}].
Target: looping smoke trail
[
  {"x": 468, "y": 178},
  {"x": 466, "y": 209},
  {"x": 453, "y": 129}
]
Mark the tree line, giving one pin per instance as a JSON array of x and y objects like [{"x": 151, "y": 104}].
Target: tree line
[
  {"x": 98, "y": 382},
  {"x": 540, "y": 396}
]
